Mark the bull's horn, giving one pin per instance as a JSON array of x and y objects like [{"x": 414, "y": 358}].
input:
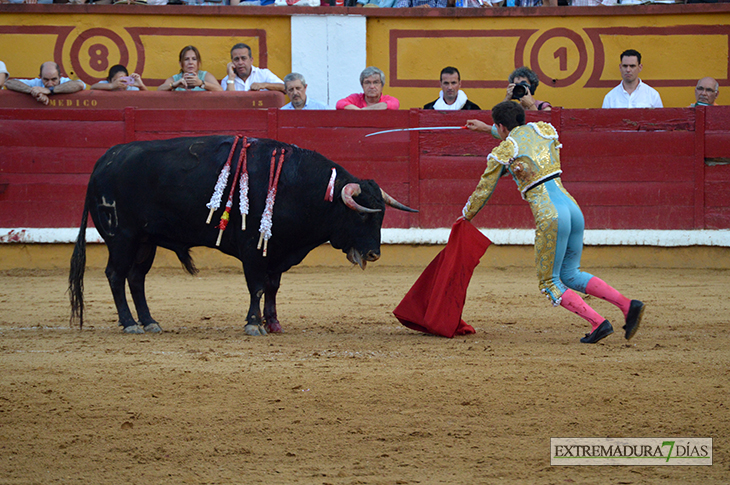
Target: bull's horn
[
  {"x": 394, "y": 203},
  {"x": 352, "y": 190}
]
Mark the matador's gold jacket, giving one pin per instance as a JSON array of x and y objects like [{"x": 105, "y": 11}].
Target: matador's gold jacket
[{"x": 531, "y": 154}]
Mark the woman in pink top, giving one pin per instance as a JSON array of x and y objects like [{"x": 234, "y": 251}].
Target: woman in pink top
[{"x": 372, "y": 81}]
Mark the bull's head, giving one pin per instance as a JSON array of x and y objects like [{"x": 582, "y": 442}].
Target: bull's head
[{"x": 370, "y": 251}]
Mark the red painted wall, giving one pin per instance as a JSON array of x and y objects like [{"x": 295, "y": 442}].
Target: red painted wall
[{"x": 628, "y": 169}]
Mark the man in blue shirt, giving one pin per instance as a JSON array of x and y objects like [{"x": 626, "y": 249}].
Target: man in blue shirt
[
  {"x": 296, "y": 88},
  {"x": 421, "y": 3}
]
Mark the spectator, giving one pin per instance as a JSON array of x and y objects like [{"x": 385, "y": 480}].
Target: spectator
[
  {"x": 50, "y": 82},
  {"x": 632, "y": 93},
  {"x": 120, "y": 80},
  {"x": 375, "y": 3},
  {"x": 705, "y": 93},
  {"x": 296, "y": 89},
  {"x": 190, "y": 77},
  {"x": 422, "y": 3},
  {"x": 372, "y": 81},
  {"x": 244, "y": 76},
  {"x": 523, "y": 83},
  {"x": 478, "y": 3},
  {"x": 530, "y": 3},
  {"x": 451, "y": 96},
  {"x": 4, "y": 74}
]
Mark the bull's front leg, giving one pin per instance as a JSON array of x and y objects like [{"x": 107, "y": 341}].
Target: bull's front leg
[
  {"x": 272, "y": 324},
  {"x": 256, "y": 283}
]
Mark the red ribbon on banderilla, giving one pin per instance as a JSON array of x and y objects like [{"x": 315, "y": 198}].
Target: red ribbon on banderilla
[
  {"x": 215, "y": 200},
  {"x": 242, "y": 169},
  {"x": 266, "y": 217}
]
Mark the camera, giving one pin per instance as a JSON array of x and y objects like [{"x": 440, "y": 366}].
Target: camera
[
  {"x": 128, "y": 80},
  {"x": 520, "y": 90}
]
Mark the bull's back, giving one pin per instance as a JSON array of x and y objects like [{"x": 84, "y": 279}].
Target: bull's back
[
  {"x": 159, "y": 161},
  {"x": 161, "y": 186}
]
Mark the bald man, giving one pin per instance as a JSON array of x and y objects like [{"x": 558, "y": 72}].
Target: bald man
[
  {"x": 48, "y": 83},
  {"x": 706, "y": 92}
]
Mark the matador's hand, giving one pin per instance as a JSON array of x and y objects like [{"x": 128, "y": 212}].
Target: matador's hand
[{"x": 476, "y": 125}]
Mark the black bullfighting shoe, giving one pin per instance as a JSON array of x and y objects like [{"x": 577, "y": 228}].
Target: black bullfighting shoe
[
  {"x": 633, "y": 318},
  {"x": 604, "y": 330}
]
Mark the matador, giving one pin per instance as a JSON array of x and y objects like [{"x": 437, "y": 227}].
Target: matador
[{"x": 530, "y": 154}]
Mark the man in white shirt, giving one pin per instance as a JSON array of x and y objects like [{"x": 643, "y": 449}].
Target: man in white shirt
[
  {"x": 244, "y": 76},
  {"x": 451, "y": 96},
  {"x": 50, "y": 82},
  {"x": 632, "y": 93},
  {"x": 296, "y": 89},
  {"x": 4, "y": 75}
]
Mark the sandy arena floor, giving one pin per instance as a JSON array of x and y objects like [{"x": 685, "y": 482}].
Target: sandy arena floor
[{"x": 347, "y": 395}]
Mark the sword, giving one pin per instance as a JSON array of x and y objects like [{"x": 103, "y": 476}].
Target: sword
[{"x": 422, "y": 128}]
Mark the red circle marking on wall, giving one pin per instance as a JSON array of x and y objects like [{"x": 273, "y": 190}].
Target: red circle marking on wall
[
  {"x": 89, "y": 34},
  {"x": 582, "y": 60}
]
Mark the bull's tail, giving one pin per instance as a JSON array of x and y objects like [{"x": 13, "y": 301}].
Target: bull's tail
[
  {"x": 183, "y": 254},
  {"x": 76, "y": 274}
]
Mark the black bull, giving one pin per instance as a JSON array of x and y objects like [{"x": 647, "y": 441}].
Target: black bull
[{"x": 142, "y": 195}]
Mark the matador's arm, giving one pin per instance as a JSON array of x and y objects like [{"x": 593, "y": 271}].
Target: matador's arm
[{"x": 496, "y": 166}]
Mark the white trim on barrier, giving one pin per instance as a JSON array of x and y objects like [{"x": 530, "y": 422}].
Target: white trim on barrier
[{"x": 505, "y": 237}]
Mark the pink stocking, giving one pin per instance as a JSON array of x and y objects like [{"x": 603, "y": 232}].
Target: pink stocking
[
  {"x": 597, "y": 287},
  {"x": 571, "y": 301}
]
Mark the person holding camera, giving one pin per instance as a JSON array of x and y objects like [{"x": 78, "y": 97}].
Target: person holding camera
[
  {"x": 119, "y": 79},
  {"x": 190, "y": 77},
  {"x": 523, "y": 83}
]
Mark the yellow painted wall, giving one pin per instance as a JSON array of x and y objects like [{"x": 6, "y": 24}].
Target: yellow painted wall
[
  {"x": 677, "y": 48},
  {"x": 674, "y": 48},
  {"x": 92, "y": 43}
]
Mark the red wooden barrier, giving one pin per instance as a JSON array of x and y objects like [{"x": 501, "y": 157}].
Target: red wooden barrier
[
  {"x": 716, "y": 166},
  {"x": 93, "y": 99},
  {"x": 629, "y": 169}
]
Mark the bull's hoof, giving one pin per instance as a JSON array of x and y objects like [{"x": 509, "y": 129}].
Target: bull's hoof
[
  {"x": 134, "y": 329},
  {"x": 152, "y": 328},
  {"x": 254, "y": 330},
  {"x": 273, "y": 327}
]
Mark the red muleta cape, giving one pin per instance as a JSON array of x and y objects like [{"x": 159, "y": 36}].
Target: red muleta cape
[{"x": 436, "y": 300}]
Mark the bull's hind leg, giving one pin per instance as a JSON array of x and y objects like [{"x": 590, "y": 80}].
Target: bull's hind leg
[
  {"x": 272, "y": 287},
  {"x": 142, "y": 264},
  {"x": 121, "y": 258}
]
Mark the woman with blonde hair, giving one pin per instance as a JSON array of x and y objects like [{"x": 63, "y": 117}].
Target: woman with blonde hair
[{"x": 190, "y": 77}]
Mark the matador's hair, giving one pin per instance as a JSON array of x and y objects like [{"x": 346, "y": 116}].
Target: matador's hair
[{"x": 508, "y": 114}]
